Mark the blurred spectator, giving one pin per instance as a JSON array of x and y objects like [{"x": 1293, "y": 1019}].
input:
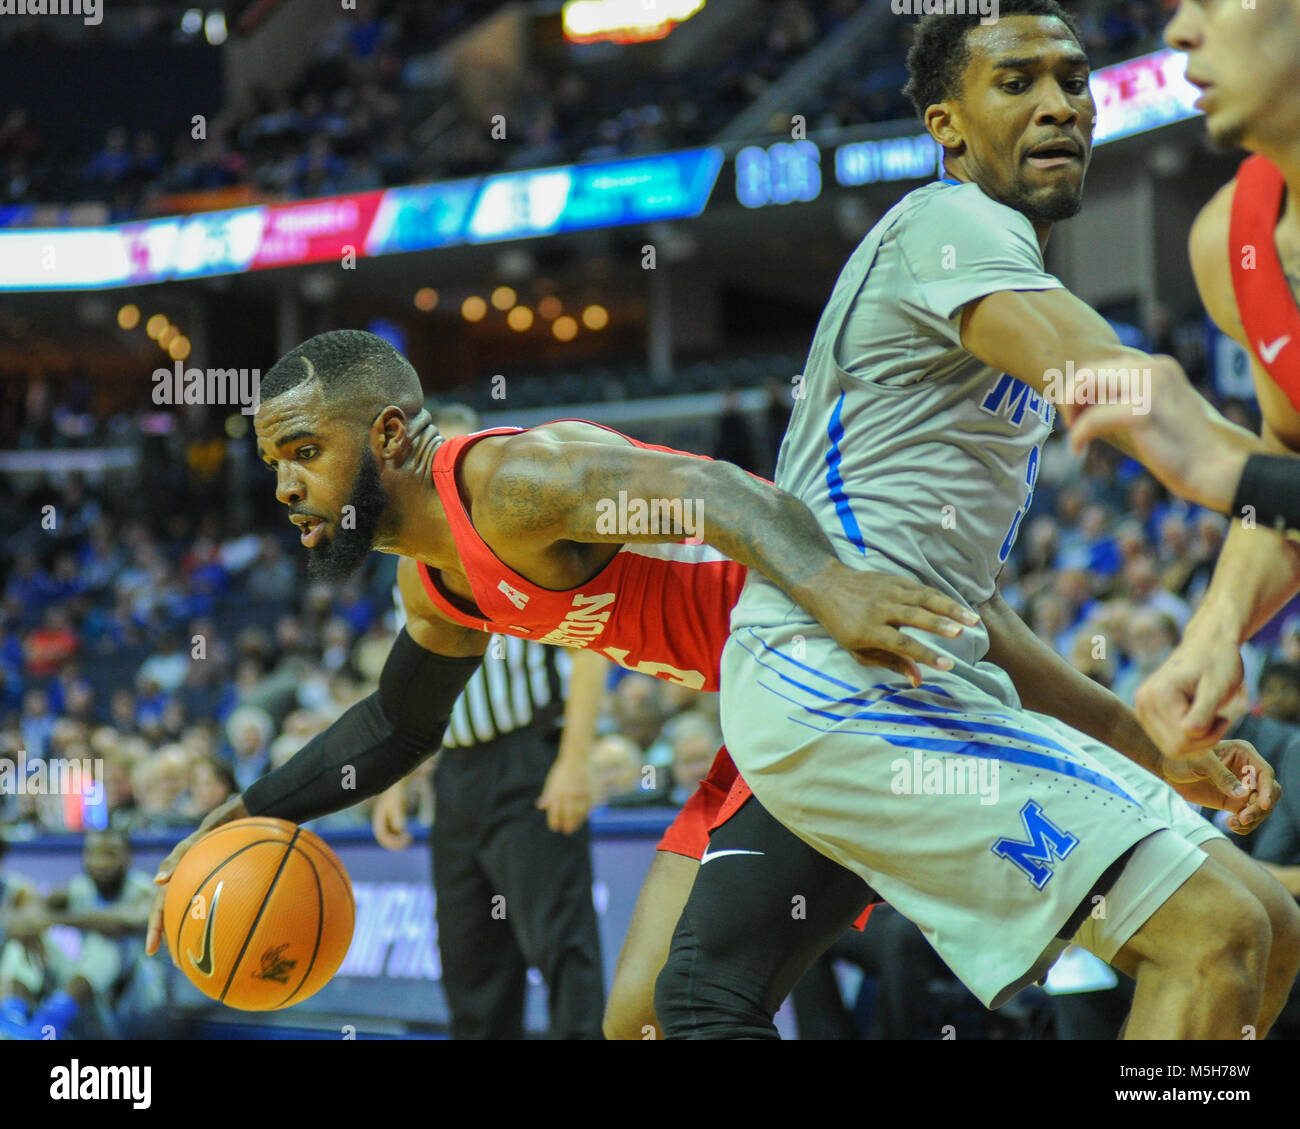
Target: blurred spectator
[
  {"x": 274, "y": 576},
  {"x": 1142, "y": 580},
  {"x": 615, "y": 768},
  {"x": 212, "y": 783},
  {"x": 1089, "y": 656},
  {"x": 1279, "y": 692},
  {"x": 695, "y": 742},
  {"x": 37, "y": 723},
  {"x": 1150, "y": 638},
  {"x": 50, "y": 645},
  {"x": 167, "y": 667},
  {"x": 118, "y": 796},
  {"x": 106, "y": 988},
  {"x": 638, "y": 714},
  {"x": 249, "y": 731},
  {"x": 158, "y": 783}
]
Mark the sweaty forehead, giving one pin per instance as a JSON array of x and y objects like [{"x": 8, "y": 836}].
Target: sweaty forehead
[{"x": 1020, "y": 37}]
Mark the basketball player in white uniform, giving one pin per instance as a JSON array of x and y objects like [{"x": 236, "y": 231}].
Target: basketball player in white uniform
[{"x": 991, "y": 805}]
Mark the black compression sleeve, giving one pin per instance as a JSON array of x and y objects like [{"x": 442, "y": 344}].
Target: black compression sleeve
[
  {"x": 1270, "y": 484},
  {"x": 374, "y": 744}
]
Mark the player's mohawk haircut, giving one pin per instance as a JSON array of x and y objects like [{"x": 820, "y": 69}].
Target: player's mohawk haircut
[
  {"x": 939, "y": 54},
  {"x": 357, "y": 371}
]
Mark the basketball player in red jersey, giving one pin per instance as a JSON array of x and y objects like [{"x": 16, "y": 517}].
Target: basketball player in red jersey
[
  {"x": 536, "y": 533},
  {"x": 1245, "y": 253}
]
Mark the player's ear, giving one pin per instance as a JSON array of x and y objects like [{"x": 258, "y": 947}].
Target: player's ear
[
  {"x": 944, "y": 123},
  {"x": 389, "y": 432}
]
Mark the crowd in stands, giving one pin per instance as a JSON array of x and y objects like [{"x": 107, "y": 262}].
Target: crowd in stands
[{"x": 357, "y": 118}]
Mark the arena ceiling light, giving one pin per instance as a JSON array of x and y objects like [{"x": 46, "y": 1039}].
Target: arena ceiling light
[
  {"x": 214, "y": 27},
  {"x": 624, "y": 21}
]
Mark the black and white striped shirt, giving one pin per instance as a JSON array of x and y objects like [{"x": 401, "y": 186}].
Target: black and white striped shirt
[{"x": 520, "y": 683}]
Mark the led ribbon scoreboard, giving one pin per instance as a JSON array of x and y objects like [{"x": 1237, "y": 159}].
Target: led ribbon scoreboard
[{"x": 1132, "y": 97}]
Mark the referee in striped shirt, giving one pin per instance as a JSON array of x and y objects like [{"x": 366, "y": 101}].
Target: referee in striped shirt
[{"x": 510, "y": 841}]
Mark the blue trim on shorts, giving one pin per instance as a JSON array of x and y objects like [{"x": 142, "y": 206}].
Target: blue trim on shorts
[
  {"x": 997, "y": 752},
  {"x": 961, "y": 747},
  {"x": 896, "y": 694},
  {"x": 835, "y": 484},
  {"x": 854, "y": 701}
]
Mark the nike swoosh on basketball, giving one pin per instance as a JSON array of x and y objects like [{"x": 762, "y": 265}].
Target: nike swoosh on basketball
[
  {"x": 719, "y": 854},
  {"x": 1268, "y": 353},
  {"x": 203, "y": 962}
]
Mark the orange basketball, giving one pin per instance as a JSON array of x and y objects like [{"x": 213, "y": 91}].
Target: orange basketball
[{"x": 259, "y": 914}]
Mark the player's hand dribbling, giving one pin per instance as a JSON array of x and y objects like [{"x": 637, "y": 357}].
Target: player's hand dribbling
[
  {"x": 1232, "y": 777},
  {"x": 231, "y": 810},
  {"x": 863, "y": 612},
  {"x": 1195, "y": 696}
]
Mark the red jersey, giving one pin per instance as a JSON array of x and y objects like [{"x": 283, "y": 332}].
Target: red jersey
[
  {"x": 659, "y": 609},
  {"x": 1264, "y": 299}
]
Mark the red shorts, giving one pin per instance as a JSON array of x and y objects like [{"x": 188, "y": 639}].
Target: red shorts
[{"x": 720, "y": 795}]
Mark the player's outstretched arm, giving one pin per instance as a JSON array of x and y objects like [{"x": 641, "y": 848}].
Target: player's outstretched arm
[
  {"x": 1142, "y": 404},
  {"x": 372, "y": 745},
  {"x": 547, "y": 492}
]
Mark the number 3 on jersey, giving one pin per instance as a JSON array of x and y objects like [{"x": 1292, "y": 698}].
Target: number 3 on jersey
[
  {"x": 1031, "y": 479},
  {"x": 692, "y": 679}
]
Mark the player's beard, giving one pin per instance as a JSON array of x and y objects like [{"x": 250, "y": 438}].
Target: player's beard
[
  {"x": 343, "y": 553},
  {"x": 1061, "y": 202}
]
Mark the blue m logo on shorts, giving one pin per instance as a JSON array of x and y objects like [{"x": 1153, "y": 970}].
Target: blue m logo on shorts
[{"x": 1047, "y": 844}]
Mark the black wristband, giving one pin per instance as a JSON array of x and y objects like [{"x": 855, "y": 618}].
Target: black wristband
[
  {"x": 374, "y": 744},
  {"x": 1270, "y": 486}
]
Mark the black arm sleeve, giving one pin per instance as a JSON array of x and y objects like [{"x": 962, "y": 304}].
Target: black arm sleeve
[
  {"x": 374, "y": 744},
  {"x": 1271, "y": 484}
]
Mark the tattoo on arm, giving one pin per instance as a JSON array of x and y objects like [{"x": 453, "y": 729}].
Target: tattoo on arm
[{"x": 529, "y": 494}]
